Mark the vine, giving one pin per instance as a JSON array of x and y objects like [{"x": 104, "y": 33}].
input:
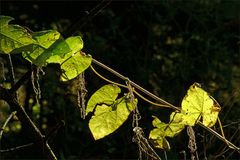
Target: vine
[
  {"x": 109, "y": 110},
  {"x": 192, "y": 145},
  {"x": 143, "y": 144},
  {"x": 81, "y": 94},
  {"x": 35, "y": 83}
]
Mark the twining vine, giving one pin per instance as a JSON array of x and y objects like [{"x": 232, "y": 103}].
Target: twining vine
[
  {"x": 109, "y": 110},
  {"x": 81, "y": 95},
  {"x": 35, "y": 83}
]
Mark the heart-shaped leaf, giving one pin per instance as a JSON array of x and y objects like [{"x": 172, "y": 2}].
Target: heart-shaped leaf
[
  {"x": 108, "y": 118},
  {"x": 105, "y": 95},
  {"x": 198, "y": 104}
]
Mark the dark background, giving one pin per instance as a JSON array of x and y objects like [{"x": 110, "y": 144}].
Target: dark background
[{"x": 164, "y": 46}]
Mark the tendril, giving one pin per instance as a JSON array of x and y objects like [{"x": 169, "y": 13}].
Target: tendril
[{"x": 136, "y": 113}]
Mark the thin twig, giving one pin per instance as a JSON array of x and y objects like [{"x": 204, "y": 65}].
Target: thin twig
[
  {"x": 54, "y": 130},
  {"x": 16, "y": 148},
  {"x": 224, "y": 149},
  {"x": 90, "y": 15},
  {"x": 231, "y": 145},
  {"x": 5, "y": 123},
  {"x": 12, "y": 71}
]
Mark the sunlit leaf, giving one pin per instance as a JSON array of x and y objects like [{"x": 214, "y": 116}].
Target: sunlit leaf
[
  {"x": 44, "y": 39},
  {"x": 75, "y": 44},
  {"x": 108, "y": 118},
  {"x": 106, "y": 94},
  {"x": 170, "y": 129},
  {"x": 159, "y": 142},
  {"x": 198, "y": 105},
  {"x": 12, "y": 36},
  {"x": 75, "y": 65},
  {"x": 157, "y": 138},
  {"x": 162, "y": 130},
  {"x": 41, "y": 48},
  {"x": 59, "y": 47},
  {"x": 73, "y": 62}
]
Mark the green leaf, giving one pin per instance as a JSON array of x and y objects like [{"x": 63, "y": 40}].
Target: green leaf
[
  {"x": 162, "y": 130},
  {"x": 44, "y": 39},
  {"x": 106, "y": 94},
  {"x": 59, "y": 47},
  {"x": 75, "y": 65},
  {"x": 108, "y": 118},
  {"x": 75, "y": 44},
  {"x": 158, "y": 141},
  {"x": 44, "y": 47},
  {"x": 12, "y": 36},
  {"x": 196, "y": 104},
  {"x": 170, "y": 129},
  {"x": 50, "y": 48}
]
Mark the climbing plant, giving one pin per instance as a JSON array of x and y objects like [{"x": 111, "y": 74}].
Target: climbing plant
[{"x": 108, "y": 107}]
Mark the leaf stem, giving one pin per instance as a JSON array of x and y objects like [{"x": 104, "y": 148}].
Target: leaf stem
[
  {"x": 124, "y": 86},
  {"x": 134, "y": 84}
]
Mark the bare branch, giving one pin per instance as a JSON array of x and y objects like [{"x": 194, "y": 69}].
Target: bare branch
[
  {"x": 230, "y": 145},
  {"x": 90, "y": 15},
  {"x": 5, "y": 123},
  {"x": 10, "y": 98},
  {"x": 16, "y": 148}
]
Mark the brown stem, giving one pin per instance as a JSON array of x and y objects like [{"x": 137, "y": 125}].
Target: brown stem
[{"x": 134, "y": 84}]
